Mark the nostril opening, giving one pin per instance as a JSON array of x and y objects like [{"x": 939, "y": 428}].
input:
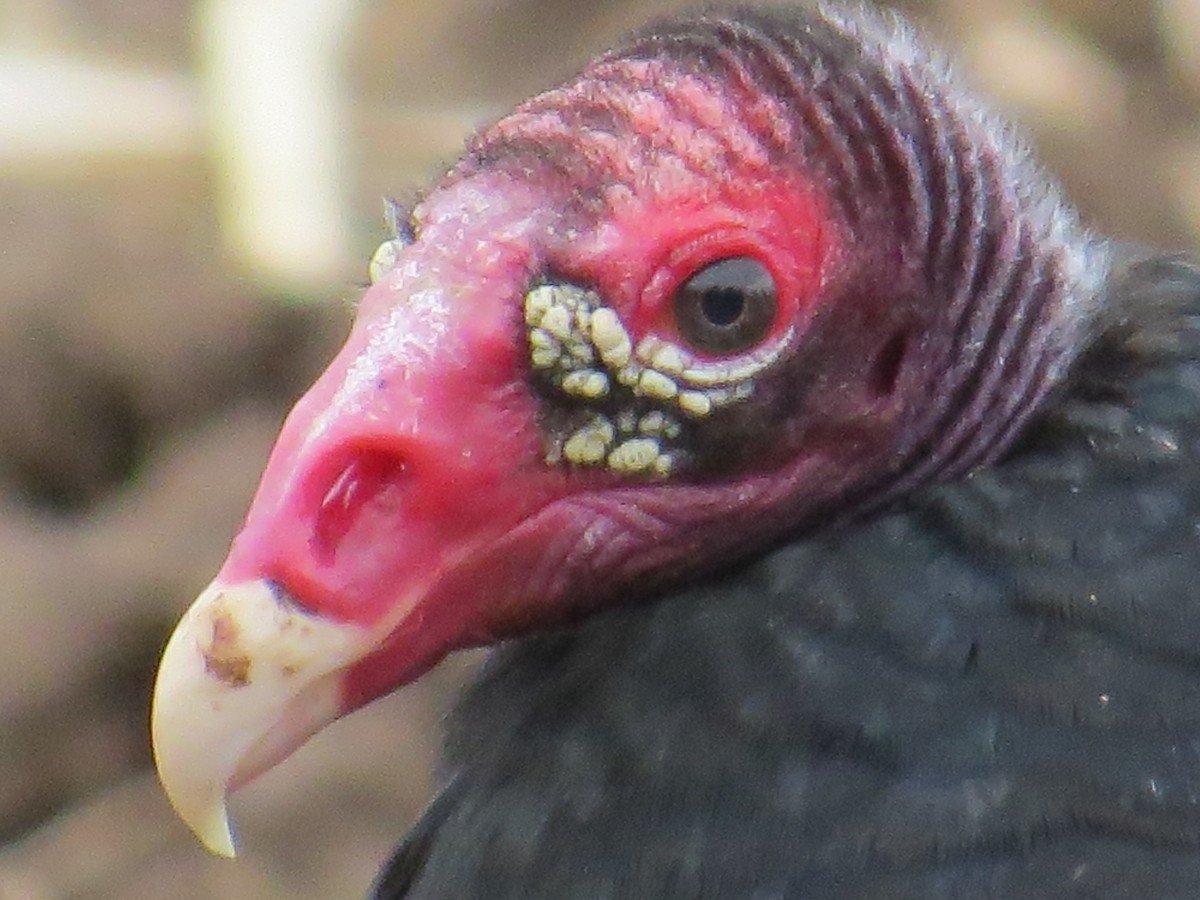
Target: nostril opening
[
  {"x": 885, "y": 371},
  {"x": 361, "y": 494}
]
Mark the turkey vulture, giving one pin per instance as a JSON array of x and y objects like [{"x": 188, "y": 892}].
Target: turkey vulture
[{"x": 835, "y": 491}]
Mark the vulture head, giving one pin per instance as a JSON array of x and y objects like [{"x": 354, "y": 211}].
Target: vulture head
[{"x": 746, "y": 276}]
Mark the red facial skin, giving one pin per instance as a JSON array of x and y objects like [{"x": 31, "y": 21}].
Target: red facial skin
[{"x": 409, "y": 487}]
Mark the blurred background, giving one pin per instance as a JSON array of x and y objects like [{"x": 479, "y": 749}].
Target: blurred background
[{"x": 189, "y": 192}]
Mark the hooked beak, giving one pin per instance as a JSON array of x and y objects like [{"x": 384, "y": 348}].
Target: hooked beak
[
  {"x": 245, "y": 678},
  {"x": 382, "y": 533}
]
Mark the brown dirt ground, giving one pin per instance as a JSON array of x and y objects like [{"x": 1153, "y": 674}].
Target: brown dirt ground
[{"x": 143, "y": 375}]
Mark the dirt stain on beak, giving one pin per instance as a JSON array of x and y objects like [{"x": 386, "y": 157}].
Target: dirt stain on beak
[{"x": 224, "y": 657}]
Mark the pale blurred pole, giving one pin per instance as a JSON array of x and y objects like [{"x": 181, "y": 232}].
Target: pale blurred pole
[
  {"x": 272, "y": 79},
  {"x": 60, "y": 108}
]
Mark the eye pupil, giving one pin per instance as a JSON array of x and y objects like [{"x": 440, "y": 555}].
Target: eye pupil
[
  {"x": 723, "y": 306},
  {"x": 728, "y": 306}
]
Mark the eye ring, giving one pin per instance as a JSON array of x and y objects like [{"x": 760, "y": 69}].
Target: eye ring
[{"x": 728, "y": 306}]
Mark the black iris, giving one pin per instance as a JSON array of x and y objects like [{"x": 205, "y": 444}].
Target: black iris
[{"x": 726, "y": 307}]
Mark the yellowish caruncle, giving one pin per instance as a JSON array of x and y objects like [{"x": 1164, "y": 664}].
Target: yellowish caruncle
[{"x": 583, "y": 349}]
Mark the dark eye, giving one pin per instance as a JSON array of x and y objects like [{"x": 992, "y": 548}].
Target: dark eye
[{"x": 726, "y": 307}]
